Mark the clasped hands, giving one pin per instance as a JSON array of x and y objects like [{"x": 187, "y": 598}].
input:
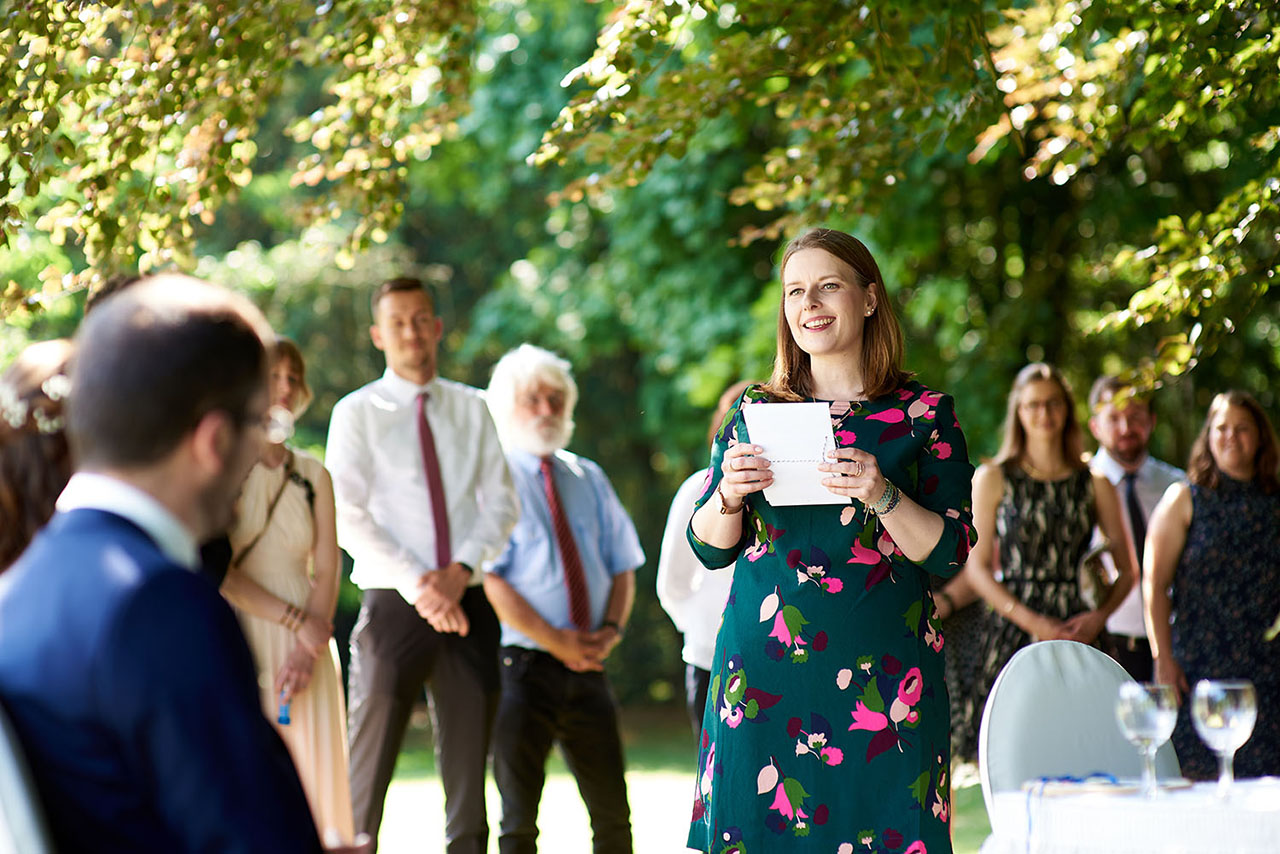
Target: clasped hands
[
  {"x": 439, "y": 594},
  {"x": 850, "y": 472},
  {"x": 582, "y": 651},
  {"x": 1083, "y": 627}
]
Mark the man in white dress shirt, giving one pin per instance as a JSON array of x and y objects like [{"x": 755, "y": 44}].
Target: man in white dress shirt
[
  {"x": 424, "y": 497},
  {"x": 1122, "y": 423}
]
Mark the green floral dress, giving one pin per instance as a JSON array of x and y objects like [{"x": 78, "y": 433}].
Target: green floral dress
[{"x": 827, "y": 722}]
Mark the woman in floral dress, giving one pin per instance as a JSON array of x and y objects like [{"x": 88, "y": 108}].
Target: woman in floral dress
[{"x": 826, "y": 726}]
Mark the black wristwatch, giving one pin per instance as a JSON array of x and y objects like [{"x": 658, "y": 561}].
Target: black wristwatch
[{"x": 612, "y": 624}]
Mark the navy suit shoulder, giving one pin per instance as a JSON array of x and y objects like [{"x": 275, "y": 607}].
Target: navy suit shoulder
[{"x": 134, "y": 693}]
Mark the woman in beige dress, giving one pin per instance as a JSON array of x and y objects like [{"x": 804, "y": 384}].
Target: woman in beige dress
[{"x": 283, "y": 582}]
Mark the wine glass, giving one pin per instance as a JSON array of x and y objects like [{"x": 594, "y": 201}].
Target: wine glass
[
  {"x": 1147, "y": 712},
  {"x": 1224, "y": 712}
]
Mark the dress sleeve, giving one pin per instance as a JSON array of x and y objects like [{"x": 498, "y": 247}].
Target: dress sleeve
[
  {"x": 944, "y": 484},
  {"x": 726, "y": 437}
]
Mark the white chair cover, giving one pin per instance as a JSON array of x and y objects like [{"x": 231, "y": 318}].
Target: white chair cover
[{"x": 1051, "y": 713}]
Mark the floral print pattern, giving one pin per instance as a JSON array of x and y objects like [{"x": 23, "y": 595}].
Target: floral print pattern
[{"x": 840, "y": 736}]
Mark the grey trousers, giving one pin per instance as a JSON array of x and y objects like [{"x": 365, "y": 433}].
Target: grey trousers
[{"x": 394, "y": 654}]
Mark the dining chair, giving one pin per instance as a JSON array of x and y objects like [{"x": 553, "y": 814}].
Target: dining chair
[
  {"x": 1051, "y": 713},
  {"x": 22, "y": 825}
]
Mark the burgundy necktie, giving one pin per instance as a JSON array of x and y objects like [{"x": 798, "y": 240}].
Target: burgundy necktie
[
  {"x": 575, "y": 581},
  {"x": 435, "y": 487}
]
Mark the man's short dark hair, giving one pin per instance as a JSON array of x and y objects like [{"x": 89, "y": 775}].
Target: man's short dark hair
[
  {"x": 1108, "y": 386},
  {"x": 155, "y": 359},
  {"x": 110, "y": 286},
  {"x": 396, "y": 285}
]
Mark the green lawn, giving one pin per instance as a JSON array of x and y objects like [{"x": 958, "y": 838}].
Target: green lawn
[{"x": 660, "y": 757}]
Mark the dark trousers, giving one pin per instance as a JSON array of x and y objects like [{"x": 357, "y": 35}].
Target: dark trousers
[
  {"x": 1134, "y": 655},
  {"x": 696, "y": 683},
  {"x": 545, "y": 702},
  {"x": 394, "y": 652}
]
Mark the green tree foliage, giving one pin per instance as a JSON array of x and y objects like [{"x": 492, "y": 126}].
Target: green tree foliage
[
  {"x": 1173, "y": 105},
  {"x": 1089, "y": 183},
  {"x": 136, "y": 120}
]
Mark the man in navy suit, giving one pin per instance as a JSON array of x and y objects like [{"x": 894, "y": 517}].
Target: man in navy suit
[{"x": 124, "y": 672}]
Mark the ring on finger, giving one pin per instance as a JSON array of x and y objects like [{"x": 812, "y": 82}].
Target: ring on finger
[{"x": 857, "y": 470}]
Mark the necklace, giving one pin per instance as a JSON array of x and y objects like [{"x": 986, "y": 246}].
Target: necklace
[{"x": 1038, "y": 474}]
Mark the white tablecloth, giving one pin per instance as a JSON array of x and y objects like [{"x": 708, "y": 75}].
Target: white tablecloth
[{"x": 1180, "y": 821}]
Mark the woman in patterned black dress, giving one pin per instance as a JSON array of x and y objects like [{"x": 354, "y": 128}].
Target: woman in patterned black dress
[
  {"x": 1038, "y": 503},
  {"x": 1216, "y": 542}
]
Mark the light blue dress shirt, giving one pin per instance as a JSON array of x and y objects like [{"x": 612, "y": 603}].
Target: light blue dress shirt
[{"x": 605, "y": 536}]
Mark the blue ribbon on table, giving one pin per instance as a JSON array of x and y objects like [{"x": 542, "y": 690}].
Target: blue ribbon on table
[{"x": 1037, "y": 790}]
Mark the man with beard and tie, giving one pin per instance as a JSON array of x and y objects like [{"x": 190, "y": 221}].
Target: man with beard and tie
[
  {"x": 127, "y": 679},
  {"x": 1122, "y": 422},
  {"x": 563, "y": 589},
  {"x": 423, "y": 499}
]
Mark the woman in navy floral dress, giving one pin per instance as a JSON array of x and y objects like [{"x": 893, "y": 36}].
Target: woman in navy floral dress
[
  {"x": 826, "y": 726},
  {"x": 1216, "y": 541}
]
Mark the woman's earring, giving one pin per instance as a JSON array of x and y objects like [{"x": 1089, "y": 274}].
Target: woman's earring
[{"x": 870, "y": 312}]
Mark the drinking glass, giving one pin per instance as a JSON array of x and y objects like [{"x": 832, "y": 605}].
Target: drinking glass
[
  {"x": 1224, "y": 712},
  {"x": 1147, "y": 712}
]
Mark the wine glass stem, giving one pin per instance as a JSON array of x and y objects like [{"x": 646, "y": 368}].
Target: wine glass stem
[
  {"x": 1149, "y": 788},
  {"x": 1226, "y": 774}
]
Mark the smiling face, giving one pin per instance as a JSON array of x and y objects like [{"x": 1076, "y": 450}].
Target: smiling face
[
  {"x": 825, "y": 306},
  {"x": 1234, "y": 441}
]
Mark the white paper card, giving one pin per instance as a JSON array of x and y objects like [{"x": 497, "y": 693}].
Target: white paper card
[{"x": 795, "y": 438}]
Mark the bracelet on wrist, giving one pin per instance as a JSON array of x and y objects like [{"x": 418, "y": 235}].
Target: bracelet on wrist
[
  {"x": 293, "y": 618},
  {"x": 888, "y": 500},
  {"x": 612, "y": 624},
  {"x": 725, "y": 510}
]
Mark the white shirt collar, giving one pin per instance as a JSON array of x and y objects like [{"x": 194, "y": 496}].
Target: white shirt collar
[
  {"x": 92, "y": 491},
  {"x": 1111, "y": 468},
  {"x": 403, "y": 391}
]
